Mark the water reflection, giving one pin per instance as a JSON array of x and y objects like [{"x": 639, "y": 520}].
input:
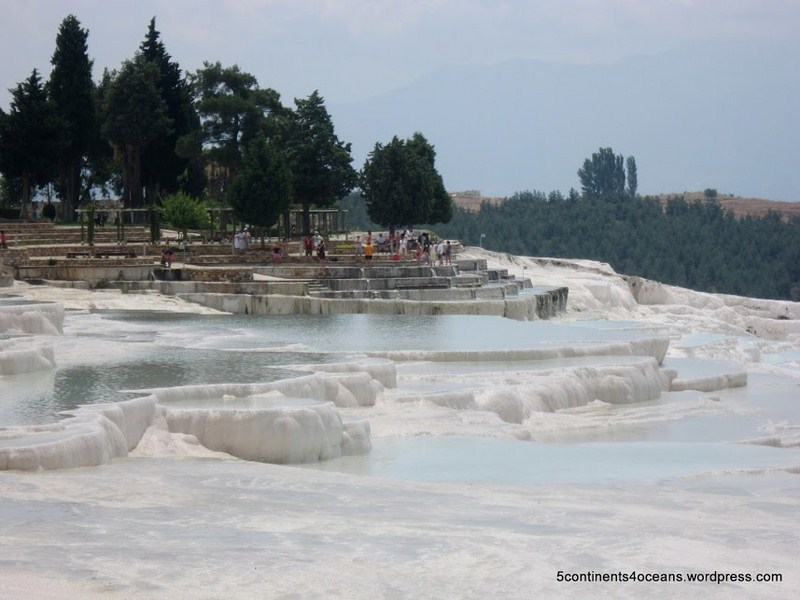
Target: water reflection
[
  {"x": 363, "y": 332},
  {"x": 40, "y": 397},
  {"x": 111, "y": 351}
]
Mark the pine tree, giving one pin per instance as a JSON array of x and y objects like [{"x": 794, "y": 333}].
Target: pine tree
[
  {"x": 320, "y": 162},
  {"x": 29, "y": 136},
  {"x": 401, "y": 185},
  {"x": 262, "y": 190},
  {"x": 232, "y": 110}
]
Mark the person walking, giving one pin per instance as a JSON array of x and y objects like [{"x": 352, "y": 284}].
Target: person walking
[{"x": 359, "y": 249}]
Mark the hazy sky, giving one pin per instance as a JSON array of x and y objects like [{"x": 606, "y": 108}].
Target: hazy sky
[{"x": 351, "y": 49}]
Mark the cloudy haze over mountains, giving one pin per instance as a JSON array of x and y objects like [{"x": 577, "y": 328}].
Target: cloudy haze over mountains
[
  {"x": 514, "y": 94},
  {"x": 724, "y": 117}
]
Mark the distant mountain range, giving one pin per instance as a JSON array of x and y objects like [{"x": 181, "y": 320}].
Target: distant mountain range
[{"x": 722, "y": 117}]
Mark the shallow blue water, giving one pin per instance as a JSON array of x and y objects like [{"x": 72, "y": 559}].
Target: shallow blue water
[
  {"x": 153, "y": 349},
  {"x": 354, "y": 333},
  {"x": 465, "y": 459},
  {"x": 167, "y": 349}
]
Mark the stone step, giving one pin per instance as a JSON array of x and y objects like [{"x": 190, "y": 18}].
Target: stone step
[
  {"x": 471, "y": 265},
  {"x": 465, "y": 280}
]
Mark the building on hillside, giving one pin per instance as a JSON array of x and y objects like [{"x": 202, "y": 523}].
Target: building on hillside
[{"x": 471, "y": 200}]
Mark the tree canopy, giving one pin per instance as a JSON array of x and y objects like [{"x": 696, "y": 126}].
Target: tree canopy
[
  {"x": 262, "y": 190},
  {"x": 400, "y": 184},
  {"x": 184, "y": 212},
  {"x": 320, "y": 162},
  {"x": 691, "y": 244},
  {"x": 167, "y": 130},
  {"x": 233, "y": 109},
  {"x": 603, "y": 175},
  {"x": 29, "y": 137},
  {"x": 136, "y": 117}
]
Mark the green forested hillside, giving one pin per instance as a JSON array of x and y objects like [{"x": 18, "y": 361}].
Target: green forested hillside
[{"x": 692, "y": 244}]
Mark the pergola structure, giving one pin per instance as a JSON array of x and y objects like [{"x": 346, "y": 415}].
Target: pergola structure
[{"x": 325, "y": 220}]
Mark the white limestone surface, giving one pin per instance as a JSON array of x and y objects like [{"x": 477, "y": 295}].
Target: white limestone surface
[
  {"x": 75, "y": 442},
  {"x": 646, "y": 346},
  {"x": 93, "y": 436},
  {"x": 380, "y": 370},
  {"x": 16, "y": 359},
  {"x": 548, "y": 391},
  {"x": 342, "y": 389},
  {"x": 284, "y": 434},
  {"x": 200, "y": 528},
  {"x": 176, "y": 519},
  {"x": 32, "y": 318}
]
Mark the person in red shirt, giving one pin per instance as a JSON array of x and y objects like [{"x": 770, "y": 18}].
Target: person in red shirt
[{"x": 309, "y": 246}]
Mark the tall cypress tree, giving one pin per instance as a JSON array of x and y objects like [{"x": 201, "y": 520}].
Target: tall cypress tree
[
  {"x": 633, "y": 178},
  {"x": 72, "y": 92},
  {"x": 103, "y": 172},
  {"x": 167, "y": 158}
]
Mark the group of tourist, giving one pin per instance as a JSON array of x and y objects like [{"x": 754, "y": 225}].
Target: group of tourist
[
  {"x": 241, "y": 241},
  {"x": 366, "y": 248},
  {"x": 423, "y": 248},
  {"x": 444, "y": 252},
  {"x": 401, "y": 245},
  {"x": 314, "y": 244}
]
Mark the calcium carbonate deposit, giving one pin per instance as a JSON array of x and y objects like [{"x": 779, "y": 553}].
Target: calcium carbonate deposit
[{"x": 644, "y": 444}]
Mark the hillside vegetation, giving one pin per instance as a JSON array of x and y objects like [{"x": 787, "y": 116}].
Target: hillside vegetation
[
  {"x": 741, "y": 207},
  {"x": 695, "y": 244},
  {"x": 471, "y": 200}
]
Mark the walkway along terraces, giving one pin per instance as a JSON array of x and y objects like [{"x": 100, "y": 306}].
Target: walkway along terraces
[{"x": 251, "y": 283}]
